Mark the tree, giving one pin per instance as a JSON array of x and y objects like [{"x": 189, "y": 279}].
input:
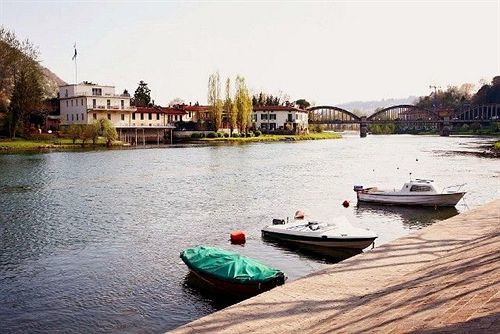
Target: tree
[
  {"x": 229, "y": 108},
  {"x": 302, "y": 103},
  {"x": 214, "y": 100},
  {"x": 243, "y": 104},
  {"x": 26, "y": 98},
  {"x": 176, "y": 101},
  {"x": 108, "y": 131},
  {"x": 90, "y": 132},
  {"x": 142, "y": 95},
  {"x": 21, "y": 80},
  {"x": 75, "y": 132}
]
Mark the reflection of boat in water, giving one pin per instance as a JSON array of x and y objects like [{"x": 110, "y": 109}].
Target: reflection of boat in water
[
  {"x": 337, "y": 234},
  {"x": 412, "y": 217},
  {"x": 315, "y": 253},
  {"x": 231, "y": 273},
  {"x": 418, "y": 192}
]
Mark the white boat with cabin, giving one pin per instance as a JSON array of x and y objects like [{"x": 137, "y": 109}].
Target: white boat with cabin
[
  {"x": 418, "y": 192},
  {"x": 337, "y": 234}
]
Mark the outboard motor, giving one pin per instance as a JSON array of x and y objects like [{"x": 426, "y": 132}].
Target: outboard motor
[
  {"x": 278, "y": 221},
  {"x": 358, "y": 188}
]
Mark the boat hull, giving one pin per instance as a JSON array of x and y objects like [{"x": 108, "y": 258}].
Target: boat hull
[
  {"x": 235, "y": 289},
  {"x": 419, "y": 200},
  {"x": 347, "y": 243}
]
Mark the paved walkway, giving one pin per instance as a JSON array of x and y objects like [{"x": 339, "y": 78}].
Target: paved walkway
[{"x": 442, "y": 279}]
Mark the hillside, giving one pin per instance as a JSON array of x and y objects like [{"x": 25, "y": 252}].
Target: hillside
[
  {"x": 368, "y": 107},
  {"x": 52, "y": 83}
]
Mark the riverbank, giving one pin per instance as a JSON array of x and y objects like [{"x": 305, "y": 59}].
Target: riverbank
[
  {"x": 8, "y": 146},
  {"x": 441, "y": 278},
  {"x": 271, "y": 138}
]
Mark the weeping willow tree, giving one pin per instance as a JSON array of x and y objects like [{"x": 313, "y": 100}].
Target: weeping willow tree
[
  {"x": 214, "y": 100},
  {"x": 243, "y": 105}
]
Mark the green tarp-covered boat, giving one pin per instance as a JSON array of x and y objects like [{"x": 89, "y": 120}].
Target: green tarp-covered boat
[{"x": 231, "y": 272}]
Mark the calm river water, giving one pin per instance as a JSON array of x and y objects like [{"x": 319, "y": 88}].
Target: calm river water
[{"x": 90, "y": 242}]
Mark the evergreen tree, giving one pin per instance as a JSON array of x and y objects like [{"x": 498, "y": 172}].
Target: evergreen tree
[{"x": 142, "y": 95}]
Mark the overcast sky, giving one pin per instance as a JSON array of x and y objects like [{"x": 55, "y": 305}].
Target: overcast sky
[{"x": 326, "y": 52}]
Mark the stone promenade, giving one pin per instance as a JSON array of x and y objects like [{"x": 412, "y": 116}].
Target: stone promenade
[{"x": 442, "y": 279}]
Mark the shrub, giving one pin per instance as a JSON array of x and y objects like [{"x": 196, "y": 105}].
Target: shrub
[
  {"x": 226, "y": 135},
  {"x": 195, "y": 135},
  {"x": 211, "y": 135},
  {"x": 242, "y": 135},
  {"x": 257, "y": 133},
  {"x": 220, "y": 134},
  {"x": 43, "y": 137}
]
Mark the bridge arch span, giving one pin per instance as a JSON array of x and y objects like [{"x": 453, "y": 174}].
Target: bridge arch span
[
  {"x": 404, "y": 112},
  {"x": 479, "y": 113},
  {"x": 331, "y": 114}
]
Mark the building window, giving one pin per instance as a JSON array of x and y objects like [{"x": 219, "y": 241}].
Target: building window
[
  {"x": 150, "y": 116},
  {"x": 81, "y": 101},
  {"x": 71, "y": 102},
  {"x": 157, "y": 116},
  {"x": 176, "y": 118},
  {"x": 76, "y": 102},
  {"x": 67, "y": 103},
  {"x": 109, "y": 116},
  {"x": 142, "y": 116},
  {"x": 133, "y": 115},
  {"x": 94, "y": 115},
  {"x": 123, "y": 117},
  {"x": 263, "y": 116},
  {"x": 254, "y": 117},
  {"x": 169, "y": 118},
  {"x": 108, "y": 103},
  {"x": 66, "y": 95},
  {"x": 67, "y": 117},
  {"x": 290, "y": 118},
  {"x": 83, "y": 118},
  {"x": 77, "y": 117},
  {"x": 189, "y": 114},
  {"x": 122, "y": 103},
  {"x": 97, "y": 91},
  {"x": 94, "y": 103},
  {"x": 72, "y": 117},
  {"x": 272, "y": 126},
  {"x": 272, "y": 116}
]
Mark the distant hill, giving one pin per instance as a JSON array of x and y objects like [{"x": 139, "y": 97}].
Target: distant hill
[
  {"x": 53, "y": 82},
  {"x": 368, "y": 107}
]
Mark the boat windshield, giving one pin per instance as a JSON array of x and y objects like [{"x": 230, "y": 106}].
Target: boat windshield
[{"x": 420, "y": 188}]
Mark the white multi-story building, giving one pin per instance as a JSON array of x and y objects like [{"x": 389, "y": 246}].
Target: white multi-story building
[
  {"x": 84, "y": 103},
  {"x": 280, "y": 118}
]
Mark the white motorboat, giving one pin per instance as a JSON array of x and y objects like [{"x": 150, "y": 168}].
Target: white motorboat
[
  {"x": 339, "y": 234},
  {"x": 418, "y": 192}
]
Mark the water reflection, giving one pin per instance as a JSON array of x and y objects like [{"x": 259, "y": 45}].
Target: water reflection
[
  {"x": 194, "y": 286},
  {"x": 327, "y": 255},
  {"x": 411, "y": 217}
]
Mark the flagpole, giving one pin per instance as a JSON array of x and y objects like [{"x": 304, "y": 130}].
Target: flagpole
[{"x": 76, "y": 67}]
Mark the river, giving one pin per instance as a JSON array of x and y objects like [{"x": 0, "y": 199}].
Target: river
[{"x": 90, "y": 241}]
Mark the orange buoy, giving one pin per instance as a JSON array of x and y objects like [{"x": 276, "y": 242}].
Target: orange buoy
[
  {"x": 299, "y": 214},
  {"x": 345, "y": 204},
  {"x": 238, "y": 237}
]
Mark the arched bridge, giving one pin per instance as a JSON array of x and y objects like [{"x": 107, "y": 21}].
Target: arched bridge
[{"x": 406, "y": 113}]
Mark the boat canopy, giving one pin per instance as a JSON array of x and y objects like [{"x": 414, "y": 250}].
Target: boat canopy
[{"x": 228, "y": 266}]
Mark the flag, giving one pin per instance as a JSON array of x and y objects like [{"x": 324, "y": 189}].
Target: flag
[{"x": 74, "y": 56}]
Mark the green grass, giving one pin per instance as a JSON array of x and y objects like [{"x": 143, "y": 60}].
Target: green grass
[
  {"x": 26, "y": 145},
  {"x": 264, "y": 138},
  {"x": 497, "y": 145}
]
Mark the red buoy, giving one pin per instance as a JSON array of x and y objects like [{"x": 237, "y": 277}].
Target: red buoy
[
  {"x": 345, "y": 204},
  {"x": 238, "y": 237}
]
